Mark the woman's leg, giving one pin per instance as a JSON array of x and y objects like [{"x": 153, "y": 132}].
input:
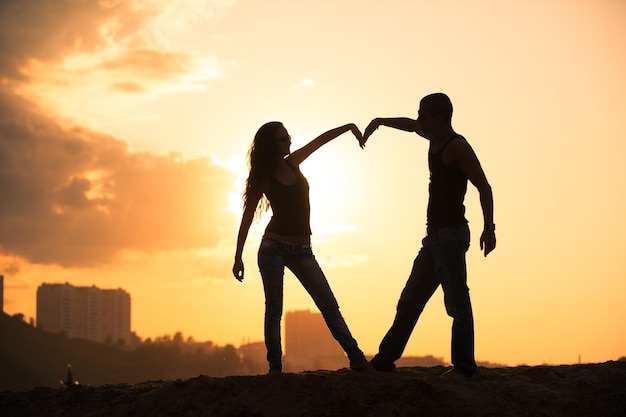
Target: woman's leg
[
  {"x": 271, "y": 265},
  {"x": 307, "y": 270}
]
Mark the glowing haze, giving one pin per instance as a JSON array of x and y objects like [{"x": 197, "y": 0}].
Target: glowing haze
[{"x": 124, "y": 127}]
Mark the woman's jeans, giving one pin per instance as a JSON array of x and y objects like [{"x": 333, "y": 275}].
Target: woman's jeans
[
  {"x": 441, "y": 260},
  {"x": 273, "y": 257}
]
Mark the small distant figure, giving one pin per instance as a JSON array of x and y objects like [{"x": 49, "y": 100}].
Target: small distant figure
[
  {"x": 441, "y": 260},
  {"x": 69, "y": 382},
  {"x": 275, "y": 180}
]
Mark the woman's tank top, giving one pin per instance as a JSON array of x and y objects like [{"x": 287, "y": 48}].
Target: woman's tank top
[{"x": 291, "y": 209}]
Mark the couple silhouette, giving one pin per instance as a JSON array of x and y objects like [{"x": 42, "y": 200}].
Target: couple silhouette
[{"x": 275, "y": 181}]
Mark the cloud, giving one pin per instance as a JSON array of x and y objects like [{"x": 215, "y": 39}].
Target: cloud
[
  {"x": 9, "y": 266},
  {"x": 128, "y": 87},
  {"x": 306, "y": 83},
  {"x": 76, "y": 197},
  {"x": 50, "y": 30},
  {"x": 62, "y": 53},
  {"x": 149, "y": 63},
  {"x": 336, "y": 261}
]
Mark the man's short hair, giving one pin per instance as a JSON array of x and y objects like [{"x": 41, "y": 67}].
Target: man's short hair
[{"x": 439, "y": 104}]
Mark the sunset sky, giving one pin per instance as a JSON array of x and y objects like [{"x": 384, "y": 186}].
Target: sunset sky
[{"x": 124, "y": 127}]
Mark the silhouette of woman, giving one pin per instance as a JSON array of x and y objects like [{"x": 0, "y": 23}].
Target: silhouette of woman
[{"x": 275, "y": 181}]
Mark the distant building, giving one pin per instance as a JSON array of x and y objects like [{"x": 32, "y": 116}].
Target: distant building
[
  {"x": 253, "y": 351},
  {"x": 1, "y": 293},
  {"x": 423, "y": 361},
  {"x": 253, "y": 356},
  {"x": 84, "y": 312},
  {"x": 309, "y": 345}
]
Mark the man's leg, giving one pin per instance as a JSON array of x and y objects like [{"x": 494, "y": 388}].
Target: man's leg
[
  {"x": 449, "y": 254},
  {"x": 418, "y": 289}
]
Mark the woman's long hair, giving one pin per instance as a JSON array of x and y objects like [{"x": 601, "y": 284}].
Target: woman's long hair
[{"x": 260, "y": 160}]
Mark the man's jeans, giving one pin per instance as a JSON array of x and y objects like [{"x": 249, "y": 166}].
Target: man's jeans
[
  {"x": 441, "y": 260},
  {"x": 273, "y": 257}
]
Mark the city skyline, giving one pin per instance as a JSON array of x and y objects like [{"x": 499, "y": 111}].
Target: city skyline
[
  {"x": 79, "y": 313},
  {"x": 307, "y": 342},
  {"x": 330, "y": 355}
]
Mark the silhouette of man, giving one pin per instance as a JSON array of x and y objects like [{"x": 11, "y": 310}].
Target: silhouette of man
[{"x": 441, "y": 260}]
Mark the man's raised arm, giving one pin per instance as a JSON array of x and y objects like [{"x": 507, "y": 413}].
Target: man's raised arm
[{"x": 401, "y": 123}]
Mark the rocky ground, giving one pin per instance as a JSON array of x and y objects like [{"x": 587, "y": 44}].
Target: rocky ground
[{"x": 572, "y": 390}]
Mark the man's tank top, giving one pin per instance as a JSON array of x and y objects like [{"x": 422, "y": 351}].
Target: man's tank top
[
  {"x": 446, "y": 192},
  {"x": 291, "y": 210}
]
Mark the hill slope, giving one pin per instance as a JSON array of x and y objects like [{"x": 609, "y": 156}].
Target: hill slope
[
  {"x": 577, "y": 390},
  {"x": 30, "y": 357}
]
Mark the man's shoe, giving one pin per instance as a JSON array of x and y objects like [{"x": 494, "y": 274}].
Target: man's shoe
[
  {"x": 382, "y": 366},
  {"x": 361, "y": 366}
]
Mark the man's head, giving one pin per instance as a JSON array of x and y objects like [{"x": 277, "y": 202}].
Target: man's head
[
  {"x": 437, "y": 104},
  {"x": 435, "y": 112}
]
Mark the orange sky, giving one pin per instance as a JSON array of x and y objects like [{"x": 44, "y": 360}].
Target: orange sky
[{"x": 124, "y": 127}]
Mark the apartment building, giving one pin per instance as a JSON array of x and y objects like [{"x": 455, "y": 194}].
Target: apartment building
[
  {"x": 101, "y": 315},
  {"x": 309, "y": 343}
]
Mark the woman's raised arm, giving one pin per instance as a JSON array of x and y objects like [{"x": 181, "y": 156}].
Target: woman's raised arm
[{"x": 303, "y": 153}]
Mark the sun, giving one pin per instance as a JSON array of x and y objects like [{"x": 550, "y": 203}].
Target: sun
[{"x": 332, "y": 185}]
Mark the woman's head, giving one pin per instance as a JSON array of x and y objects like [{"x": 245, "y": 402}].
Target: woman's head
[
  {"x": 268, "y": 141},
  {"x": 271, "y": 141}
]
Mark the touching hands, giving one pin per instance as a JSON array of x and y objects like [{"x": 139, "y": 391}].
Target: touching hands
[
  {"x": 371, "y": 128},
  {"x": 356, "y": 132}
]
